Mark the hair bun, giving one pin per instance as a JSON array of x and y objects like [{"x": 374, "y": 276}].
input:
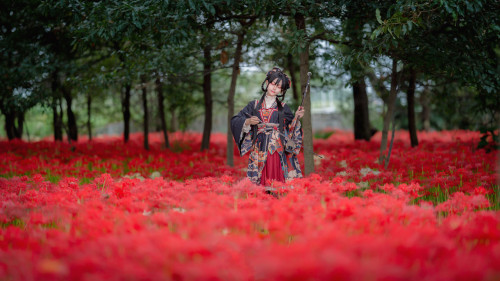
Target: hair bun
[
  {"x": 277, "y": 74},
  {"x": 274, "y": 69}
]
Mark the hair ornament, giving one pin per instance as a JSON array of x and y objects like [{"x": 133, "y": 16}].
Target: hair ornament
[{"x": 272, "y": 75}]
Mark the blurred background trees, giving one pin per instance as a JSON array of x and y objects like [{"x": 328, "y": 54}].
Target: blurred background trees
[{"x": 76, "y": 68}]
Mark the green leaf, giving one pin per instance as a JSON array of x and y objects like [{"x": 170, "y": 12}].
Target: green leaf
[
  {"x": 191, "y": 5},
  {"x": 375, "y": 33},
  {"x": 390, "y": 32},
  {"x": 483, "y": 143},
  {"x": 397, "y": 31},
  {"x": 377, "y": 14}
]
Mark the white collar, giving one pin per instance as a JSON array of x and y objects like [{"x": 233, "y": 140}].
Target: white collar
[{"x": 269, "y": 101}]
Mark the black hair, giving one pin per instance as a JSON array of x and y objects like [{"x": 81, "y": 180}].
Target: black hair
[{"x": 274, "y": 75}]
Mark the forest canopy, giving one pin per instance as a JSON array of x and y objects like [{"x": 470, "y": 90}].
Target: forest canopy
[{"x": 77, "y": 65}]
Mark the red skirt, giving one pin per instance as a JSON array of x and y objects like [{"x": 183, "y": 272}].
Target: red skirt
[{"x": 272, "y": 170}]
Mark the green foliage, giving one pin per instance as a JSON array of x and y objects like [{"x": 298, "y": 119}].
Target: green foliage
[
  {"x": 23, "y": 55},
  {"x": 323, "y": 134},
  {"x": 14, "y": 222},
  {"x": 96, "y": 47},
  {"x": 490, "y": 140},
  {"x": 453, "y": 39}
]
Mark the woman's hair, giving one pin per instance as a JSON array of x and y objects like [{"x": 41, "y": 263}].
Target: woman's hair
[{"x": 277, "y": 76}]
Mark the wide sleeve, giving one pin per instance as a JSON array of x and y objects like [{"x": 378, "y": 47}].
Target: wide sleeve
[
  {"x": 293, "y": 128},
  {"x": 242, "y": 138},
  {"x": 287, "y": 115}
]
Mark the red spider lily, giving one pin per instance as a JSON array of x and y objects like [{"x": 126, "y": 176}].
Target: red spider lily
[
  {"x": 460, "y": 202},
  {"x": 114, "y": 211}
]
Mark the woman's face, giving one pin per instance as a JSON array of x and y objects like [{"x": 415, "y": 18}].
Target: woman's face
[{"x": 274, "y": 88}]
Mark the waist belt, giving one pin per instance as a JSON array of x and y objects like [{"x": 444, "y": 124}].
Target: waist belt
[{"x": 266, "y": 128}]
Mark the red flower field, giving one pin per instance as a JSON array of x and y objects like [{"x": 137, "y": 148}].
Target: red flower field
[{"x": 103, "y": 210}]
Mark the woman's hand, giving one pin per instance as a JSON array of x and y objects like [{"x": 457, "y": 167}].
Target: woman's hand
[
  {"x": 300, "y": 112},
  {"x": 254, "y": 120}
]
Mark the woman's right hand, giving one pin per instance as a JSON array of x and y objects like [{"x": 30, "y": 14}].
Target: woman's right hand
[{"x": 254, "y": 120}]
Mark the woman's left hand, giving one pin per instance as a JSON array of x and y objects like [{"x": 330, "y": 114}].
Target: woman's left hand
[{"x": 300, "y": 112}]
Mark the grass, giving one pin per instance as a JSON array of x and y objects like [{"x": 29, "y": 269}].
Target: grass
[
  {"x": 323, "y": 134},
  {"x": 21, "y": 224},
  {"x": 85, "y": 181},
  {"x": 494, "y": 199},
  {"x": 14, "y": 222},
  {"x": 49, "y": 225}
]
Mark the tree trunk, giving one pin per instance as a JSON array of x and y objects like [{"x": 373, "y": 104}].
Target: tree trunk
[
  {"x": 13, "y": 131},
  {"x": 126, "y": 112},
  {"x": 9, "y": 125},
  {"x": 146, "y": 113},
  {"x": 57, "y": 120},
  {"x": 207, "y": 94},
  {"x": 362, "y": 130},
  {"x": 11, "y": 115},
  {"x": 18, "y": 131},
  {"x": 410, "y": 98},
  {"x": 125, "y": 96},
  {"x": 291, "y": 68},
  {"x": 72, "y": 127},
  {"x": 300, "y": 22},
  {"x": 498, "y": 169},
  {"x": 230, "y": 98},
  {"x": 173, "y": 121},
  {"x": 22, "y": 126},
  {"x": 56, "y": 117},
  {"x": 425, "y": 115},
  {"x": 89, "y": 125},
  {"x": 391, "y": 101},
  {"x": 161, "y": 111},
  {"x": 61, "y": 111}
]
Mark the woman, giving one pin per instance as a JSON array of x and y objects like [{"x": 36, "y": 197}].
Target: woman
[{"x": 267, "y": 128}]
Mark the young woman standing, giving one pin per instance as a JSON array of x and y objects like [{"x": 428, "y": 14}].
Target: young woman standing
[{"x": 272, "y": 134}]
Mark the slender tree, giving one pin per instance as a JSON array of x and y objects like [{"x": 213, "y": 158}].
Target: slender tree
[
  {"x": 146, "y": 111},
  {"x": 89, "y": 112},
  {"x": 72, "y": 127},
  {"x": 362, "y": 128},
  {"x": 207, "y": 95},
  {"x": 161, "y": 111},
  {"x": 300, "y": 22},
  {"x": 240, "y": 35},
  {"x": 56, "y": 115},
  {"x": 391, "y": 102},
  {"x": 410, "y": 100},
  {"x": 425, "y": 113},
  {"x": 450, "y": 40},
  {"x": 290, "y": 63}
]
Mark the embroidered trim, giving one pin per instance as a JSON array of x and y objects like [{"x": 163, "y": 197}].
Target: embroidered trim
[{"x": 265, "y": 114}]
